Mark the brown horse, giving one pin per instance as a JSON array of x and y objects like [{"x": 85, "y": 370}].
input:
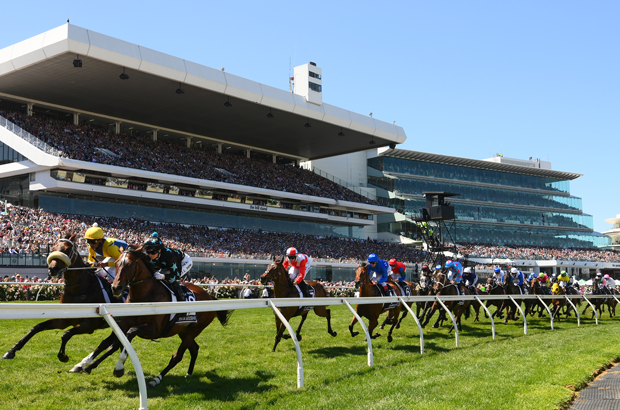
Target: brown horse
[
  {"x": 283, "y": 287},
  {"x": 373, "y": 311},
  {"x": 81, "y": 286},
  {"x": 442, "y": 288},
  {"x": 411, "y": 291},
  {"x": 134, "y": 271}
]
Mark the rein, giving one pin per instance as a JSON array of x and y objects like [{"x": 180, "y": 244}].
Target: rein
[{"x": 68, "y": 260}]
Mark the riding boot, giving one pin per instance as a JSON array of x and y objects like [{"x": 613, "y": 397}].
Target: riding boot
[
  {"x": 303, "y": 286},
  {"x": 176, "y": 287}
]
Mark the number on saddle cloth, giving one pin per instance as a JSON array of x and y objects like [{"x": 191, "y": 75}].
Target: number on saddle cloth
[{"x": 186, "y": 296}]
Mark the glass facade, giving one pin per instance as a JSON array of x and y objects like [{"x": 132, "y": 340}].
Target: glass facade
[
  {"x": 413, "y": 167},
  {"x": 16, "y": 190},
  {"x": 78, "y": 206},
  {"x": 8, "y": 154},
  {"x": 550, "y": 223}
]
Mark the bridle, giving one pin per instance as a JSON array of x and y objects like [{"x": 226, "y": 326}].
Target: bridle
[
  {"x": 130, "y": 283},
  {"x": 68, "y": 260}
]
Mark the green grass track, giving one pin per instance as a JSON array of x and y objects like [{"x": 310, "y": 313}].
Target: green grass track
[{"x": 236, "y": 369}]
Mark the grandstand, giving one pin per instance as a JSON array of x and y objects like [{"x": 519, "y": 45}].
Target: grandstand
[{"x": 95, "y": 126}]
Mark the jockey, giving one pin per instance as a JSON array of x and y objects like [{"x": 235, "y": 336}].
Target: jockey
[
  {"x": 380, "y": 269},
  {"x": 532, "y": 276},
  {"x": 398, "y": 274},
  {"x": 608, "y": 282},
  {"x": 545, "y": 282},
  {"x": 426, "y": 271},
  {"x": 172, "y": 263},
  {"x": 554, "y": 278},
  {"x": 498, "y": 275},
  {"x": 516, "y": 278},
  {"x": 103, "y": 252},
  {"x": 298, "y": 266},
  {"x": 469, "y": 277},
  {"x": 455, "y": 271},
  {"x": 564, "y": 280}
]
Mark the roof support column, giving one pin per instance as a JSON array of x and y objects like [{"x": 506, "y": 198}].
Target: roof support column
[
  {"x": 219, "y": 147},
  {"x": 29, "y": 108},
  {"x": 247, "y": 153},
  {"x": 155, "y": 135},
  {"x": 188, "y": 142},
  {"x": 117, "y": 127},
  {"x": 273, "y": 158},
  {"x": 76, "y": 118}
]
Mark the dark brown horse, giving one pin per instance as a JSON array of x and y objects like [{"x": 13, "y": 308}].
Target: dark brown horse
[
  {"x": 283, "y": 287},
  {"x": 134, "y": 271},
  {"x": 373, "y": 311},
  {"x": 409, "y": 291},
  {"x": 81, "y": 286},
  {"x": 443, "y": 288}
]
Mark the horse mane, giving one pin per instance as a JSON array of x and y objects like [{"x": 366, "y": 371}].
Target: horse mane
[{"x": 137, "y": 251}]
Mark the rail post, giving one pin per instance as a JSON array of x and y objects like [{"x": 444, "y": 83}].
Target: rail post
[
  {"x": 593, "y": 308},
  {"x": 132, "y": 355},
  {"x": 300, "y": 363},
  {"x": 488, "y": 313},
  {"x": 456, "y": 328},
  {"x": 575, "y": 309},
  {"x": 548, "y": 310},
  {"x": 368, "y": 339},
  {"x": 518, "y": 305},
  {"x": 417, "y": 322}
]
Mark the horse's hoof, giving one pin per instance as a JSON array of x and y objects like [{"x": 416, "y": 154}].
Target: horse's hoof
[
  {"x": 9, "y": 355},
  {"x": 119, "y": 373},
  {"x": 389, "y": 339},
  {"x": 299, "y": 338},
  {"x": 63, "y": 358},
  {"x": 381, "y": 327},
  {"x": 435, "y": 326},
  {"x": 77, "y": 369},
  {"x": 286, "y": 336},
  {"x": 87, "y": 370},
  {"x": 334, "y": 333},
  {"x": 353, "y": 334}
]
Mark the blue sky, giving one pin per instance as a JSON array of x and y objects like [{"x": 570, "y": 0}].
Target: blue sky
[{"x": 525, "y": 79}]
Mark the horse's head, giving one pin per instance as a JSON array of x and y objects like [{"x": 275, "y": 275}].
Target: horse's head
[
  {"x": 64, "y": 254},
  {"x": 361, "y": 275},
  {"x": 273, "y": 271},
  {"x": 131, "y": 268},
  {"x": 441, "y": 280}
]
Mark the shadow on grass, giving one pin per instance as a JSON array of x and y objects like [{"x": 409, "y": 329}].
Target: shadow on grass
[
  {"x": 217, "y": 388},
  {"x": 338, "y": 351}
]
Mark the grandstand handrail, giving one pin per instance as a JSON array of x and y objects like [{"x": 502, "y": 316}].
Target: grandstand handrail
[
  {"x": 341, "y": 182},
  {"x": 92, "y": 310},
  {"x": 31, "y": 139}
]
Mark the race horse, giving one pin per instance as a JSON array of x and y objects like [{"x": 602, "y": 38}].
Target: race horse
[
  {"x": 82, "y": 285},
  {"x": 494, "y": 288},
  {"x": 373, "y": 311},
  {"x": 135, "y": 272},
  {"x": 410, "y": 290},
  {"x": 443, "y": 288},
  {"x": 283, "y": 287}
]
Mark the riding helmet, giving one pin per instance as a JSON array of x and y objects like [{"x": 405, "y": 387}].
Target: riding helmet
[
  {"x": 94, "y": 232},
  {"x": 291, "y": 252},
  {"x": 373, "y": 258}
]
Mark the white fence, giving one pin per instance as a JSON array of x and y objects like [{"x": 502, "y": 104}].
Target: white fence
[{"x": 108, "y": 311}]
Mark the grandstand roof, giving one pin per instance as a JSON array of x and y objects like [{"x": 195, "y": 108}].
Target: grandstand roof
[
  {"x": 479, "y": 164},
  {"x": 40, "y": 70}
]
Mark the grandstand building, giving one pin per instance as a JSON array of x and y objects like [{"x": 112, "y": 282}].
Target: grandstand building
[
  {"x": 500, "y": 200},
  {"x": 614, "y": 233},
  {"x": 77, "y": 105}
]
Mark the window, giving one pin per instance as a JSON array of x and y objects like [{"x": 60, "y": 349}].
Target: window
[
  {"x": 315, "y": 75},
  {"x": 315, "y": 87}
]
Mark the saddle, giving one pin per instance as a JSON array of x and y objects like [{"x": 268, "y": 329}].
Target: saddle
[
  {"x": 185, "y": 295},
  {"x": 305, "y": 291}
]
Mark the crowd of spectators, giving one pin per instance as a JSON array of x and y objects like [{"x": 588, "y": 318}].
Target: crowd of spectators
[
  {"x": 29, "y": 230},
  {"x": 513, "y": 252},
  {"x": 85, "y": 143}
]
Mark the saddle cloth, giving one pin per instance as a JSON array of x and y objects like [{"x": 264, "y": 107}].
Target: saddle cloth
[
  {"x": 188, "y": 296},
  {"x": 301, "y": 295},
  {"x": 391, "y": 293}
]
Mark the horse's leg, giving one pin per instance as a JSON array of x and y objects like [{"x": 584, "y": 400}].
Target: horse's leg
[
  {"x": 279, "y": 331},
  {"x": 372, "y": 324},
  {"x": 404, "y": 315},
  {"x": 328, "y": 315},
  {"x": 353, "y": 322},
  {"x": 301, "y": 323},
  {"x": 176, "y": 359},
  {"x": 107, "y": 342},
  {"x": 389, "y": 337},
  {"x": 47, "y": 325},
  {"x": 113, "y": 348},
  {"x": 86, "y": 327}
]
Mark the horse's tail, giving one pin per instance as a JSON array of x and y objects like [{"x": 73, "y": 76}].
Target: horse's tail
[{"x": 223, "y": 316}]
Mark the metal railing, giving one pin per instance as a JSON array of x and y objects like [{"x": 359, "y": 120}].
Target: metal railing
[
  {"x": 108, "y": 311},
  {"x": 341, "y": 182},
  {"x": 29, "y": 138}
]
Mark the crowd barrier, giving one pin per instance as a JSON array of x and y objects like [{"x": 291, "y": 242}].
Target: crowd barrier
[{"x": 108, "y": 311}]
